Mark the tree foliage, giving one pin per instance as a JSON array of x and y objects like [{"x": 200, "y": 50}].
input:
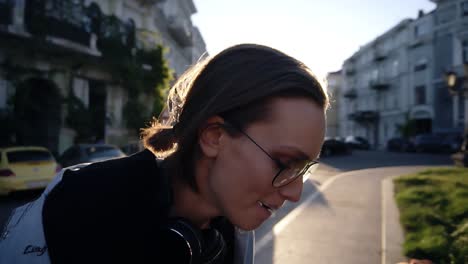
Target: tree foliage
[
  {"x": 140, "y": 71},
  {"x": 407, "y": 129}
]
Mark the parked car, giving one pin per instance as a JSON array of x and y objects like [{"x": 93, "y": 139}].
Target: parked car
[
  {"x": 339, "y": 139},
  {"x": 132, "y": 147},
  {"x": 400, "y": 144},
  {"x": 89, "y": 153},
  {"x": 452, "y": 143},
  {"x": 333, "y": 146},
  {"x": 356, "y": 142},
  {"x": 428, "y": 143},
  {"x": 26, "y": 168}
]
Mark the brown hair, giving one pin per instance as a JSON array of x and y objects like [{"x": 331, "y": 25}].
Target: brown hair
[{"x": 237, "y": 84}]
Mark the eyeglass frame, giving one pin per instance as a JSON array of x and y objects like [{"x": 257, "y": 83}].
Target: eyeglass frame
[{"x": 282, "y": 167}]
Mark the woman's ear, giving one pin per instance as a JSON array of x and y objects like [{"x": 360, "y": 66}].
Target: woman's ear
[{"x": 209, "y": 136}]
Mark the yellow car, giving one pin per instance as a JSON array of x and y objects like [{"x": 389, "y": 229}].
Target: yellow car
[{"x": 26, "y": 168}]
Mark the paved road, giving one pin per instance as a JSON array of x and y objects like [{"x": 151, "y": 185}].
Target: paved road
[
  {"x": 342, "y": 213},
  {"x": 377, "y": 159}
]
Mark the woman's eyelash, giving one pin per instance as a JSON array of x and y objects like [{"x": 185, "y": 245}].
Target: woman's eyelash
[{"x": 287, "y": 161}]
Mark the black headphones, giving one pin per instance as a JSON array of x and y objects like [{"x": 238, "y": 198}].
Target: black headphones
[
  {"x": 193, "y": 245},
  {"x": 189, "y": 243}
]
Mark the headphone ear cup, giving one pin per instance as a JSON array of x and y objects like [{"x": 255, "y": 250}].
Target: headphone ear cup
[
  {"x": 193, "y": 245},
  {"x": 214, "y": 247},
  {"x": 185, "y": 238}
]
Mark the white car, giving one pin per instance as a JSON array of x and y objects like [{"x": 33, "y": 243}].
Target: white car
[{"x": 89, "y": 153}]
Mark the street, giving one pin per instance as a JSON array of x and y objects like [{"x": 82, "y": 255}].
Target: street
[
  {"x": 340, "y": 215},
  {"x": 343, "y": 215}
]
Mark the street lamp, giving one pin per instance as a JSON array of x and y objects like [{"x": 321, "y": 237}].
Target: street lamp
[
  {"x": 461, "y": 157},
  {"x": 451, "y": 79}
]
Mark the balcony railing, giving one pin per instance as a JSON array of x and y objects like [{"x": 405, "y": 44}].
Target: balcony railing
[
  {"x": 6, "y": 12},
  {"x": 65, "y": 19},
  {"x": 70, "y": 25},
  {"x": 116, "y": 37},
  {"x": 180, "y": 30},
  {"x": 350, "y": 94},
  {"x": 415, "y": 43},
  {"x": 149, "y": 2},
  {"x": 367, "y": 116},
  {"x": 379, "y": 55},
  {"x": 350, "y": 71},
  {"x": 379, "y": 84}
]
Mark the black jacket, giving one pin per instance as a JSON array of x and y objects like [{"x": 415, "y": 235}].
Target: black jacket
[{"x": 112, "y": 212}]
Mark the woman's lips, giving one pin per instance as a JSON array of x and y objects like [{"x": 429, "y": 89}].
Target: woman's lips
[{"x": 269, "y": 207}]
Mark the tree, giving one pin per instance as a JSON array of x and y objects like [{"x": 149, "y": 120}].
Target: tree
[{"x": 408, "y": 128}]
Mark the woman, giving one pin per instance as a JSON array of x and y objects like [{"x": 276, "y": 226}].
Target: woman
[{"x": 241, "y": 130}]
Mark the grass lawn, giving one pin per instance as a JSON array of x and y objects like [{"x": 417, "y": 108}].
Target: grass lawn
[{"x": 433, "y": 208}]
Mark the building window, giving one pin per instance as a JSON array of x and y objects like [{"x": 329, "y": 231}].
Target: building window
[
  {"x": 464, "y": 8},
  {"x": 420, "y": 65},
  {"x": 421, "y": 29},
  {"x": 374, "y": 74},
  {"x": 395, "y": 68},
  {"x": 388, "y": 102},
  {"x": 445, "y": 15},
  {"x": 461, "y": 114},
  {"x": 416, "y": 31},
  {"x": 81, "y": 90},
  {"x": 420, "y": 94},
  {"x": 3, "y": 94},
  {"x": 465, "y": 51}
]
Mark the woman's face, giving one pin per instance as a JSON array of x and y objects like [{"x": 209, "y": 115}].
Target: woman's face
[{"x": 240, "y": 179}]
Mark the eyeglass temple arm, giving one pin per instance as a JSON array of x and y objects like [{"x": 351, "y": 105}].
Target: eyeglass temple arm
[{"x": 228, "y": 124}]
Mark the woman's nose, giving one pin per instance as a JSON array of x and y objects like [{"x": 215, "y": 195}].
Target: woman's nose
[{"x": 293, "y": 191}]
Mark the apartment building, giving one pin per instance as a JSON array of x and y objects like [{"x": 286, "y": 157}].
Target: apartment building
[
  {"x": 397, "y": 81},
  {"x": 334, "y": 84},
  {"x": 375, "y": 87},
  {"x": 52, "y": 51}
]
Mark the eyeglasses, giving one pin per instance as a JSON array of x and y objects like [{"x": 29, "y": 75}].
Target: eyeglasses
[{"x": 286, "y": 173}]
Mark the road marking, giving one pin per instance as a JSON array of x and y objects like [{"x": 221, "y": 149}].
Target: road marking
[
  {"x": 384, "y": 224},
  {"x": 293, "y": 214}
]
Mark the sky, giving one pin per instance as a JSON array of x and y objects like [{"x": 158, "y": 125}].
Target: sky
[{"x": 320, "y": 33}]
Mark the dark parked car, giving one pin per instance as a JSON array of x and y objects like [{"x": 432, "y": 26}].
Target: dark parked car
[
  {"x": 357, "y": 142},
  {"x": 132, "y": 147},
  {"x": 452, "y": 143},
  {"x": 88, "y": 153},
  {"x": 428, "y": 143},
  {"x": 400, "y": 144},
  {"x": 332, "y": 146}
]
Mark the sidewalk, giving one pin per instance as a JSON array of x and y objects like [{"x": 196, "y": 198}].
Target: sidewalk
[{"x": 353, "y": 219}]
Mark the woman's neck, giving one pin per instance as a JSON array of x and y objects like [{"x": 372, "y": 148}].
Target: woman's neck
[{"x": 190, "y": 205}]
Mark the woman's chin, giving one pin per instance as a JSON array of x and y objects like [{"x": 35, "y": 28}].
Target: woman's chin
[
  {"x": 249, "y": 219},
  {"x": 248, "y": 225}
]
